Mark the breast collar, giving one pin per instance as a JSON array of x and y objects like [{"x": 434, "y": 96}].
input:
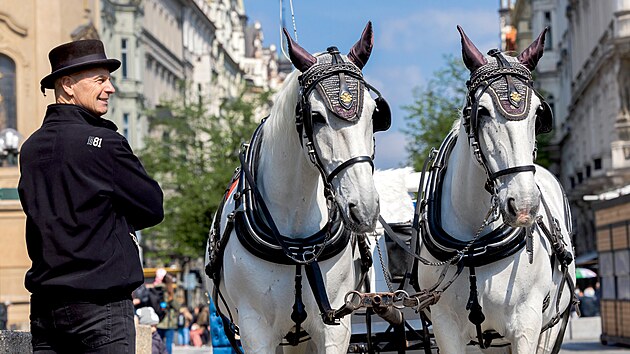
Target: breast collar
[
  {"x": 257, "y": 237},
  {"x": 500, "y": 243}
]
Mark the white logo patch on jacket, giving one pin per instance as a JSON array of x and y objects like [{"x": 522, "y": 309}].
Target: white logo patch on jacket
[{"x": 94, "y": 141}]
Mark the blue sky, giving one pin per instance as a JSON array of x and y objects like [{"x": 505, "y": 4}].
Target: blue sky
[{"x": 410, "y": 39}]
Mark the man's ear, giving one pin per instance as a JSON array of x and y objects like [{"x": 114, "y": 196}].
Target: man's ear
[{"x": 67, "y": 85}]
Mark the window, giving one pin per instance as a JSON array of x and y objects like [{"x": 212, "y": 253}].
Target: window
[
  {"x": 123, "y": 57},
  {"x": 597, "y": 164},
  {"x": 125, "y": 128},
  {"x": 588, "y": 171},
  {"x": 547, "y": 23},
  {"x": 8, "y": 115}
]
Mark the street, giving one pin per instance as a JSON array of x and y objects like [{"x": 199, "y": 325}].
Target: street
[{"x": 582, "y": 336}]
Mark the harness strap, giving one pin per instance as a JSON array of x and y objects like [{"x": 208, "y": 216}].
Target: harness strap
[
  {"x": 299, "y": 311},
  {"x": 229, "y": 328},
  {"x": 316, "y": 281},
  {"x": 272, "y": 224},
  {"x": 348, "y": 163},
  {"x": 511, "y": 170},
  {"x": 476, "y": 315}
]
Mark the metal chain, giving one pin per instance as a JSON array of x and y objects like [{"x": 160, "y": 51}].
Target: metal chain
[
  {"x": 388, "y": 279},
  {"x": 491, "y": 217},
  {"x": 320, "y": 71},
  {"x": 484, "y": 74}
]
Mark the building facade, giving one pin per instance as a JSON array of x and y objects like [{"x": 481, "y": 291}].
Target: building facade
[
  {"x": 585, "y": 75},
  {"x": 168, "y": 49}
]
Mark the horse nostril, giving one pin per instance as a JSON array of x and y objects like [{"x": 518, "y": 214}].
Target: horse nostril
[
  {"x": 511, "y": 206},
  {"x": 353, "y": 212}
]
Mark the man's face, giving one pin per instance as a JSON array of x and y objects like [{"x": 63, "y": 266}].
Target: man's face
[{"x": 91, "y": 90}]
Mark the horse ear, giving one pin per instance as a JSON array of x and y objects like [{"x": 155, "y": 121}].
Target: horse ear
[
  {"x": 301, "y": 59},
  {"x": 473, "y": 59},
  {"x": 361, "y": 50},
  {"x": 530, "y": 56}
]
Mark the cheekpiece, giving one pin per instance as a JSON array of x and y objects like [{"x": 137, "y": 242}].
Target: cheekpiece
[
  {"x": 512, "y": 100},
  {"x": 342, "y": 97}
]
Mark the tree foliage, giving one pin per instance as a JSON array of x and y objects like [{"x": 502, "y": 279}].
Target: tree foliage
[
  {"x": 193, "y": 156},
  {"x": 435, "y": 108}
]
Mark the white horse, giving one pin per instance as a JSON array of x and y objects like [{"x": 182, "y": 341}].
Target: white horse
[
  {"x": 306, "y": 180},
  {"x": 518, "y": 295}
]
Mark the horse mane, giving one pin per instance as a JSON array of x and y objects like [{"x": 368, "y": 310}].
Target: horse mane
[
  {"x": 457, "y": 124},
  {"x": 281, "y": 121}
]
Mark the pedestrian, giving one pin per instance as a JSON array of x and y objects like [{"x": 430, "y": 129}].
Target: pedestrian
[
  {"x": 168, "y": 324},
  {"x": 147, "y": 316},
  {"x": 589, "y": 304},
  {"x": 184, "y": 320},
  {"x": 203, "y": 321},
  {"x": 85, "y": 194}
]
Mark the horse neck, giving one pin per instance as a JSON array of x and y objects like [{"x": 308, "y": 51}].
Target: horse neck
[
  {"x": 290, "y": 186},
  {"x": 464, "y": 200}
]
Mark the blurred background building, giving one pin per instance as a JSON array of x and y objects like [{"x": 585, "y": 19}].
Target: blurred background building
[{"x": 585, "y": 76}]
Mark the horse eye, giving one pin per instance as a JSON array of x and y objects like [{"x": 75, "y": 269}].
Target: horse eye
[
  {"x": 318, "y": 118},
  {"x": 483, "y": 111}
]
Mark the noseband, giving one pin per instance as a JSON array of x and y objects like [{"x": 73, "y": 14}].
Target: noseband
[
  {"x": 515, "y": 106},
  {"x": 347, "y": 107}
]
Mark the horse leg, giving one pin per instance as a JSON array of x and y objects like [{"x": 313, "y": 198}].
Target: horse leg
[
  {"x": 257, "y": 334},
  {"x": 331, "y": 339},
  {"x": 447, "y": 331},
  {"x": 302, "y": 348},
  {"x": 525, "y": 332}
]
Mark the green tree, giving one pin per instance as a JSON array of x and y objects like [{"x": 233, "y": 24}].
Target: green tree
[
  {"x": 435, "y": 108},
  {"x": 193, "y": 155}
]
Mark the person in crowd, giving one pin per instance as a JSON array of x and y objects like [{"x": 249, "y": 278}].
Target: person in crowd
[
  {"x": 589, "y": 304},
  {"x": 203, "y": 321},
  {"x": 168, "y": 324},
  {"x": 184, "y": 320},
  {"x": 195, "y": 335},
  {"x": 148, "y": 316},
  {"x": 85, "y": 194}
]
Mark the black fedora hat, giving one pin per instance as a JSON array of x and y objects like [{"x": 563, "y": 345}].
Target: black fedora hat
[{"x": 75, "y": 56}]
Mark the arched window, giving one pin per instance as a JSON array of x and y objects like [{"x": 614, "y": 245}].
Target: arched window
[{"x": 8, "y": 114}]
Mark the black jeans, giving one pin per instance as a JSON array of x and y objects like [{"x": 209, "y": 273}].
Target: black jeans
[{"x": 83, "y": 327}]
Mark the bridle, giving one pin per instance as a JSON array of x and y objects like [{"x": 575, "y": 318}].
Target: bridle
[
  {"x": 514, "y": 74},
  {"x": 309, "y": 81}
]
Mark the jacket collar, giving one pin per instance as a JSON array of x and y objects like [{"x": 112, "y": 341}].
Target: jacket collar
[{"x": 70, "y": 113}]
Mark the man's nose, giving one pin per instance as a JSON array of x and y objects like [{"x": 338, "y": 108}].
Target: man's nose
[{"x": 110, "y": 87}]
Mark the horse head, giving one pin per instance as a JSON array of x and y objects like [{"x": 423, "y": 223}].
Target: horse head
[
  {"x": 503, "y": 114},
  {"x": 336, "y": 119}
]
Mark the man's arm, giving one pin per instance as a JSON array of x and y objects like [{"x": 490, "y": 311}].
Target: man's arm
[{"x": 137, "y": 195}]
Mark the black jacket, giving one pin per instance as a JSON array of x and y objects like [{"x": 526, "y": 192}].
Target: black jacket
[{"x": 83, "y": 191}]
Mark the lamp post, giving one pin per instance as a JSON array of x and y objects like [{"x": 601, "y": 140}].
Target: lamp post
[{"x": 10, "y": 140}]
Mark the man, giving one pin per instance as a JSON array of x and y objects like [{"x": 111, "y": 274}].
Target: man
[{"x": 85, "y": 194}]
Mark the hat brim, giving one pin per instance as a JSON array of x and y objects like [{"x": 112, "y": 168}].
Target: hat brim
[{"x": 49, "y": 80}]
